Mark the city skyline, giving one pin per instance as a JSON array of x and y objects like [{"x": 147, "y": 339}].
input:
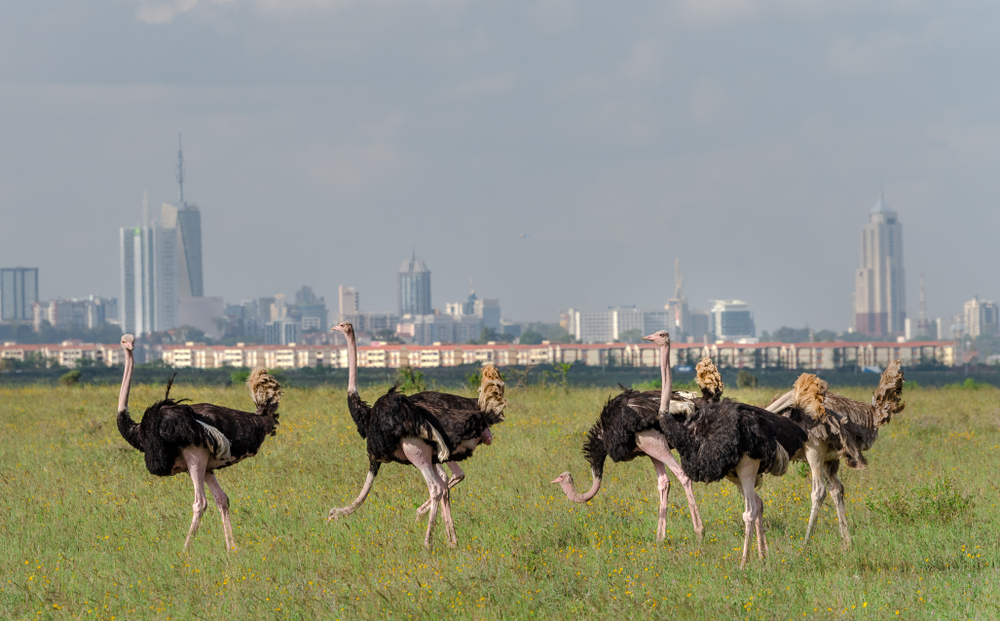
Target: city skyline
[{"x": 576, "y": 148}]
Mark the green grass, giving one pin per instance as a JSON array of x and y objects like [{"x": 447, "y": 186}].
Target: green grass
[{"x": 88, "y": 533}]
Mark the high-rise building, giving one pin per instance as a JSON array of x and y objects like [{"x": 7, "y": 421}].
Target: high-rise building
[
  {"x": 18, "y": 293},
  {"x": 732, "y": 320},
  {"x": 186, "y": 221},
  {"x": 880, "y": 284},
  {"x": 981, "y": 318},
  {"x": 349, "y": 301},
  {"x": 414, "y": 288},
  {"x": 138, "y": 263}
]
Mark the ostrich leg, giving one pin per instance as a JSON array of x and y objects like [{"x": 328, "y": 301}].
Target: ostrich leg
[
  {"x": 814, "y": 455},
  {"x": 337, "y": 512},
  {"x": 222, "y": 502},
  {"x": 197, "y": 460},
  {"x": 662, "y": 486},
  {"x": 747, "y": 473},
  {"x": 422, "y": 509},
  {"x": 419, "y": 454},
  {"x": 457, "y": 476},
  {"x": 654, "y": 444},
  {"x": 761, "y": 532},
  {"x": 836, "y": 487}
]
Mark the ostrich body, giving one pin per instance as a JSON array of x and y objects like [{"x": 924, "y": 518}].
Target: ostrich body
[
  {"x": 629, "y": 427},
  {"x": 735, "y": 441},
  {"x": 199, "y": 438},
  {"x": 426, "y": 429},
  {"x": 842, "y": 429}
]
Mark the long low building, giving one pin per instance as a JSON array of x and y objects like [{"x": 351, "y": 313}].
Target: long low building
[
  {"x": 806, "y": 356},
  {"x": 734, "y": 355}
]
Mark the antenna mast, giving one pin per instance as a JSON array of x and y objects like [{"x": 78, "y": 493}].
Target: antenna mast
[
  {"x": 678, "y": 280},
  {"x": 923, "y": 300},
  {"x": 180, "y": 168}
]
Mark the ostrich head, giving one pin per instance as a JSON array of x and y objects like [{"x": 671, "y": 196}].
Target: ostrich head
[
  {"x": 564, "y": 479},
  {"x": 128, "y": 341},
  {"x": 661, "y": 338},
  {"x": 343, "y": 326}
]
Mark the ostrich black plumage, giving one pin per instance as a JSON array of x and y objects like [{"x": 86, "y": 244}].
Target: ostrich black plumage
[
  {"x": 426, "y": 430},
  {"x": 199, "y": 438},
  {"x": 628, "y": 427},
  {"x": 735, "y": 441}
]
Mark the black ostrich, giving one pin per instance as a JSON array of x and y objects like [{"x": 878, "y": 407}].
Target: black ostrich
[
  {"x": 628, "y": 427},
  {"x": 199, "y": 438},
  {"x": 426, "y": 430},
  {"x": 729, "y": 440}
]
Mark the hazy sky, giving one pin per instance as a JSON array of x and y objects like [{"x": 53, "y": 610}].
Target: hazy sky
[{"x": 326, "y": 138}]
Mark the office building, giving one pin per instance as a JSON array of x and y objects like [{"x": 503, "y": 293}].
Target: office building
[
  {"x": 414, "y": 281},
  {"x": 732, "y": 321},
  {"x": 18, "y": 293},
  {"x": 980, "y": 318},
  {"x": 880, "y": 284}
]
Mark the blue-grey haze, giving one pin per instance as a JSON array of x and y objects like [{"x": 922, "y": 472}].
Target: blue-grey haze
[{"x": 325, "y": 139}]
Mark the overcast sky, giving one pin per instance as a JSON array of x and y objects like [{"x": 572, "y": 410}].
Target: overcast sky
[{"x": 324, "y": 139}]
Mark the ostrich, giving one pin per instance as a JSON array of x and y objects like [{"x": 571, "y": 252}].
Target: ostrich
[
  {"x": 735, "y": 441},
  {"x": 628, "y": 427},
  {"x": 843, "y": 429},
  {"x": 426, "y": 430},
  {"x": 199, "y": 438}
]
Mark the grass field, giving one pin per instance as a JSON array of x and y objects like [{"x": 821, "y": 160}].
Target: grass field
[{"x": 89, "y": 534}]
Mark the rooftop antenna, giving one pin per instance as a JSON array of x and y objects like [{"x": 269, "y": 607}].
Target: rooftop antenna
[
  {"x": 180, "y": 168},
  {"x": 470, "y": 285},
  {"x": 678, "y": 280},
  {"x": 923, "y": 300}
]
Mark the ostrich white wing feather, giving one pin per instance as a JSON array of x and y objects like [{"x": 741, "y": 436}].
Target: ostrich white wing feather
[{"x": 220, "y": 445}]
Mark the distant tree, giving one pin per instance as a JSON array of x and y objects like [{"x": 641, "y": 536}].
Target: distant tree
[
  {"x": 784, "y": 334},
  {"x": 824, "y": 336},
  {"x": 531, "y": 338},
  {"x": 746, "y": 379},
  {"x": 387, "y": 335},
  {"x": 71, "y": 378},
  {"x": 633, "y": 335}
]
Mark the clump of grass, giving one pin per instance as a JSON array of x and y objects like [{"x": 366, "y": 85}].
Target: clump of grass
[
  {"x": 939, "y": 501},
  {"x": 70, "y": 378}
]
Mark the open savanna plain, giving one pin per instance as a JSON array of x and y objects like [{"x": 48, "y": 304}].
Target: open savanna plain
[{"x": 87, "y": 533}]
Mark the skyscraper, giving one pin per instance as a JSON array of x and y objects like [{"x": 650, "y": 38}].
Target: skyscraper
[
  {"x": 18, "y": 293},
  {"x": 414, "y": 288},
  {"x": 880, "y": 285},
  {"x": 187, "y": 223},
  {"x": 138, "y": 262}
]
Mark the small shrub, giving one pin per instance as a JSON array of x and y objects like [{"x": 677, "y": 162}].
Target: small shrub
[
  {"x": 746, "y": 379},
  {"x": 411, "y": 380},
  {"x": 70, "y": 378},
  {"x": 238, "y": 378},
  {"x": 472, "y": 380},
  {"x": 936, "y": 501}
]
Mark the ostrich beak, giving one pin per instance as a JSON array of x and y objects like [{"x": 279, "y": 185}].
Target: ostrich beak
[
  {"x": 556, "y": 480},
  {"x": 648, "y": 338}
]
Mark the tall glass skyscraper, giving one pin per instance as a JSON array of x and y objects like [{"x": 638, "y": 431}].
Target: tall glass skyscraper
[
  {"x": 18, "y": 293},
  {"x": 187, "y": 222},
  {"x": 880, "y": 284},
  {"x": 414, "y": 288}
]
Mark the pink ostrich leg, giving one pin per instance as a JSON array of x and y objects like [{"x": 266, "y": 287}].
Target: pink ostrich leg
[
  {"x": 746, "y": 471},
  {"x": 654, "y": 444},
  {"x": 196, "y": 458},
  {"x": 420, "y": 454},
  {"x": 222, "y": 502},
  {"x": 457, "y": 475}
]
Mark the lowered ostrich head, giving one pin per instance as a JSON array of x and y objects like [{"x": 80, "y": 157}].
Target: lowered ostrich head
[
  {"x": 565, "y": 481},
  {"x": 128, "y": 342},
  {"x": 661, "y": 338},
  {"x": 344, "y": 326}
]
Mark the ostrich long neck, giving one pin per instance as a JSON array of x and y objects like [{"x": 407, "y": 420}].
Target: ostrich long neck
[
  {"x": 126, "y": 426},
  {"x": 126, "y": 382},
  {"x": 575, "y": 496},
  {"x": 352, "y": 362},
  {"x": 665, "y": 377}
]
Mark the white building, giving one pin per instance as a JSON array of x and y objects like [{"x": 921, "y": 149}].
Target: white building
[
  {"x": 980, "y": 317},
  {"x": 732, "y": 321}
]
